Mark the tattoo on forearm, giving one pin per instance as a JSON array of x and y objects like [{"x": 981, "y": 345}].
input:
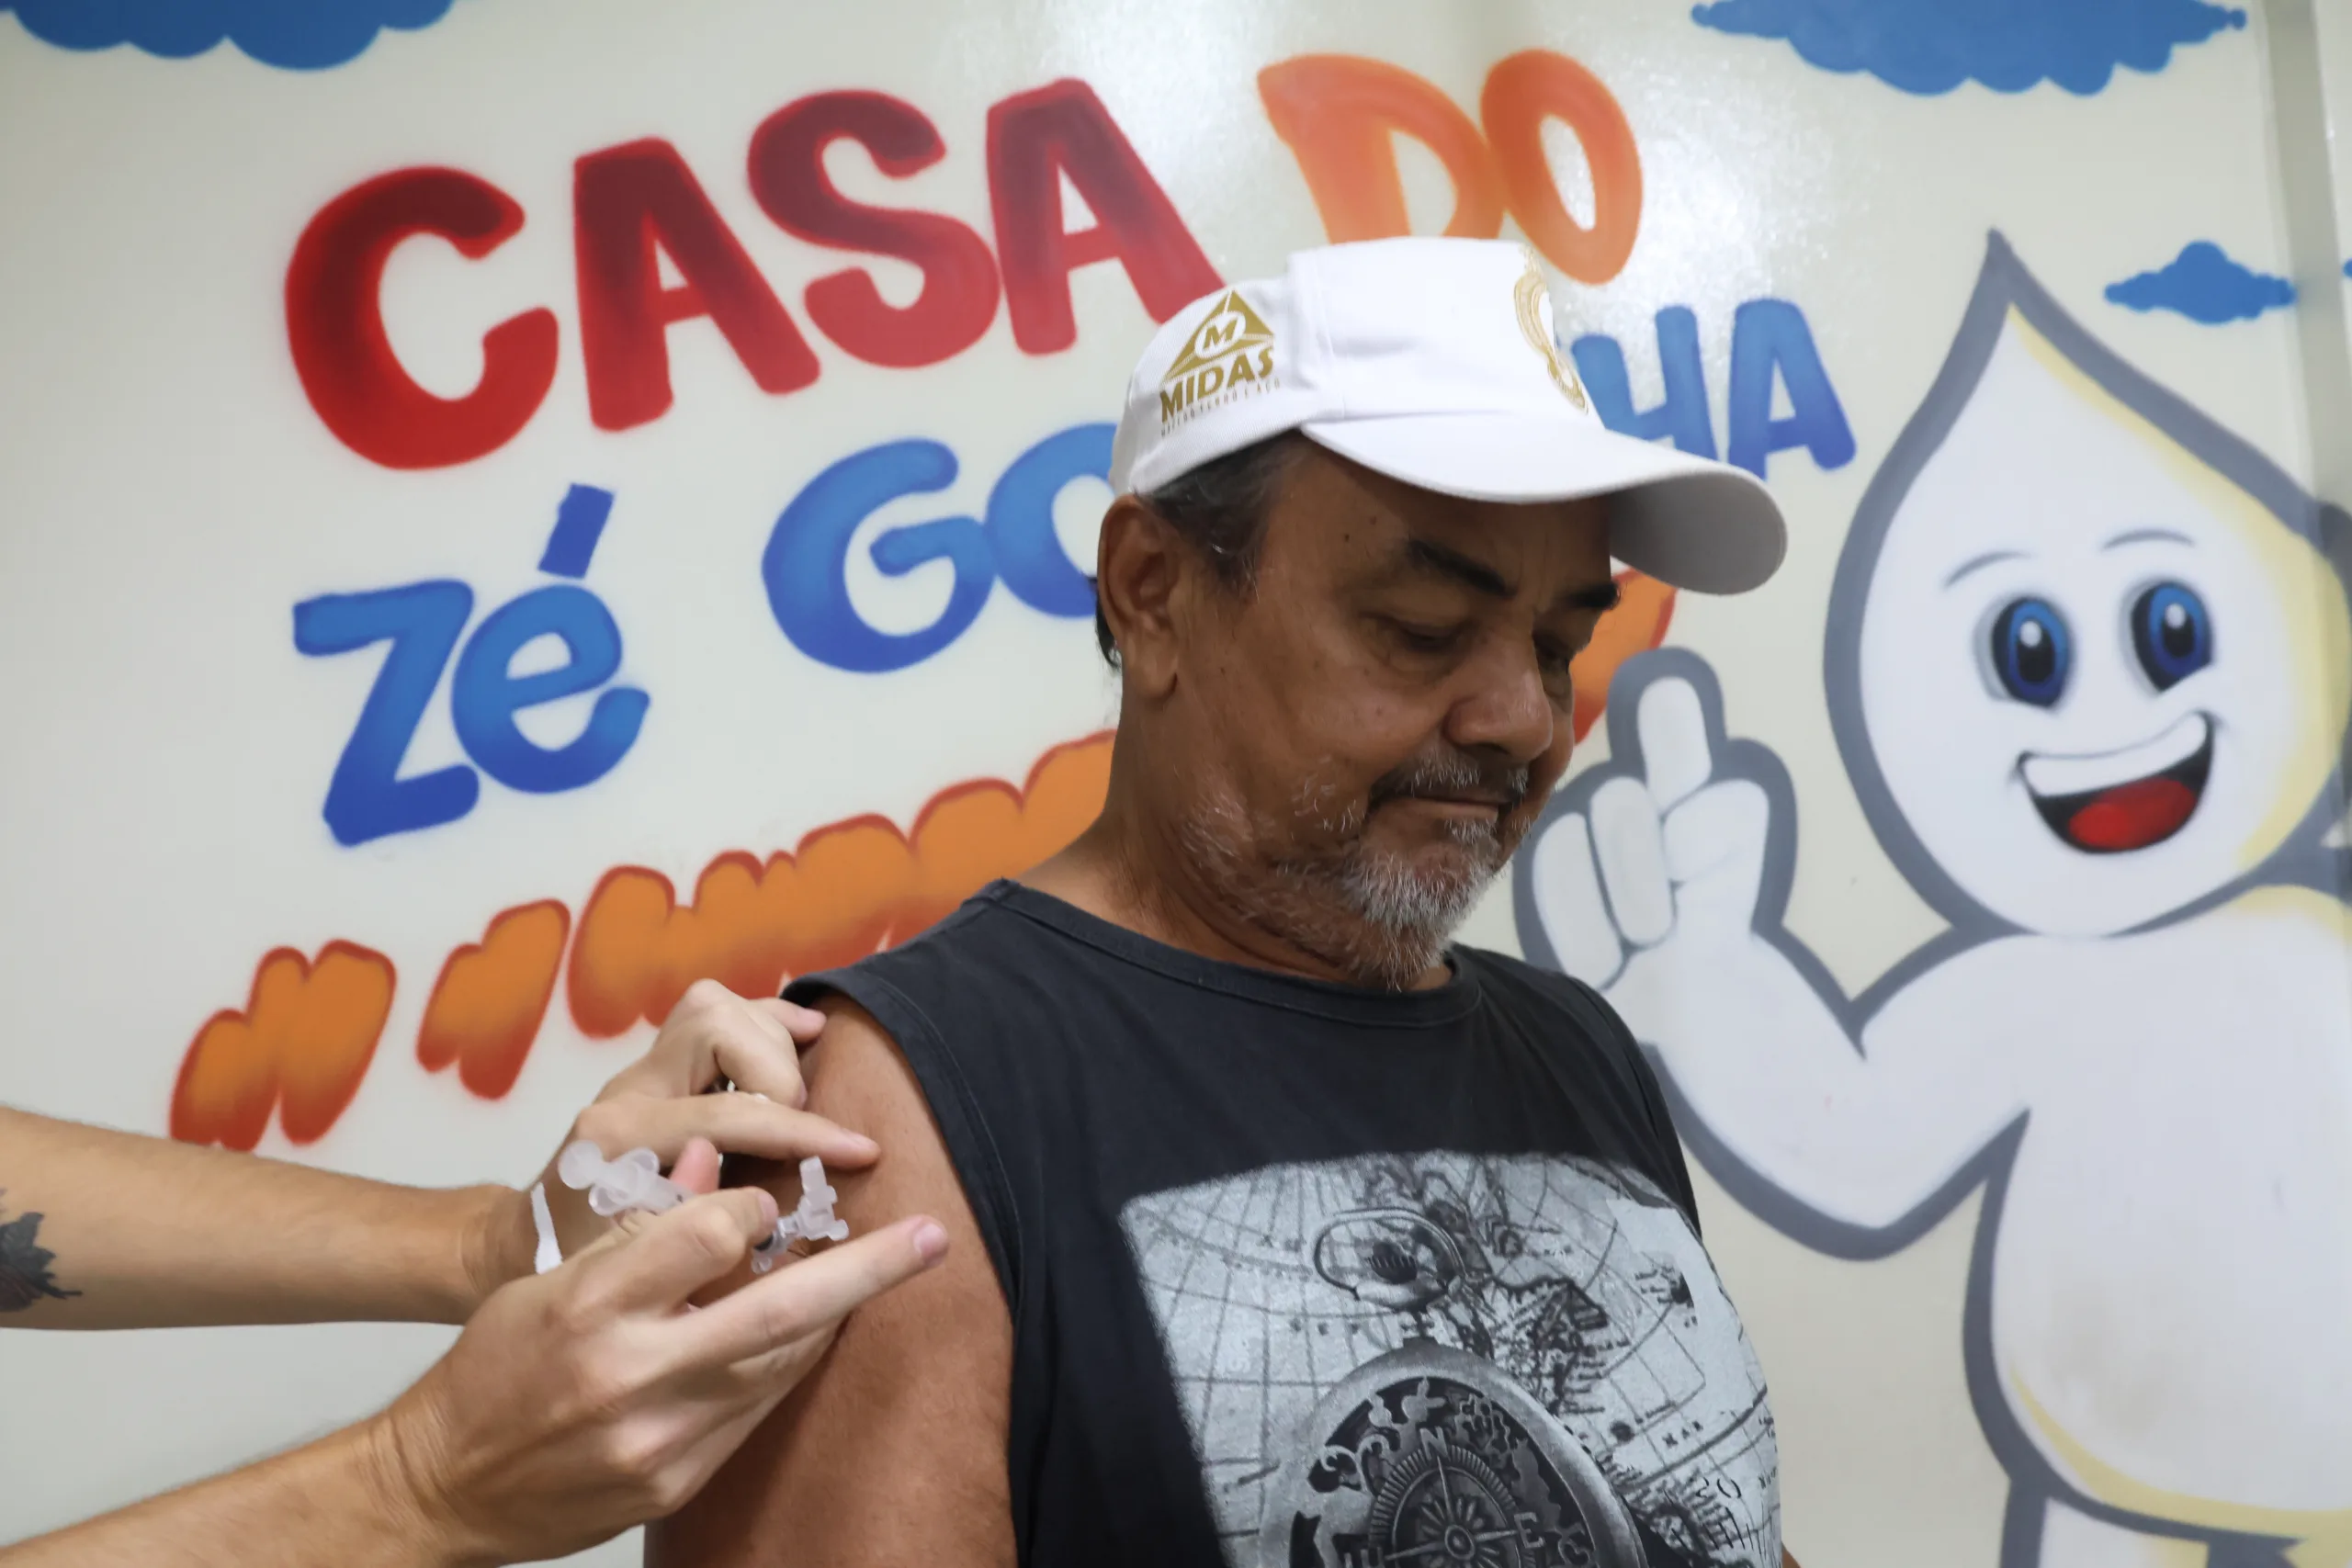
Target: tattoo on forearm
[{"x": 24, "y": 1265}]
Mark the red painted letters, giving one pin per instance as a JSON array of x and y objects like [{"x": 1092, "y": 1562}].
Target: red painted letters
[
  {"x": 635, "y": 203},
  {"x": 336, "y": 328},
  {"x": 788, "y": 170},
  {"x": 1036, "y": 136},
  {"x": 626, "y": 201}
]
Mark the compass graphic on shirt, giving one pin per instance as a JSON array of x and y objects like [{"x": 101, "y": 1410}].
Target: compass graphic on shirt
[
  {"x": 1443, "y": 1361},
  {"x": 1431, "y": 1456}
]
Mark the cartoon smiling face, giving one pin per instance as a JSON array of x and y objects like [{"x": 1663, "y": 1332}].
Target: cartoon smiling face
[{"x": 2098, "y": 679}]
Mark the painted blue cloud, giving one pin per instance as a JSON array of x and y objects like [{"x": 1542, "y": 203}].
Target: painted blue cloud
[
  {"x": 1932, "y": 46},
  {"x": 299, "y": 35},
  {"x": 2203, "y": 283}
]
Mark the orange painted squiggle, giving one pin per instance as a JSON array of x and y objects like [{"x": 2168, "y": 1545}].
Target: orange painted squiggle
[
  {"x": 487, "y": 1006},
  {"x": 300, "y": 1047},
  {"x": 846, "y": 891},
  {"x": 1635, "y": 625},
  {"x": 305, "y": 1038}
]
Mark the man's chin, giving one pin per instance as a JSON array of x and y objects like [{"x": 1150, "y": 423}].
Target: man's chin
[
  {"x": 1444, "y": 867},
  {"x": 1419, "y": 897},
  {"x": 1380, "y": 908}
]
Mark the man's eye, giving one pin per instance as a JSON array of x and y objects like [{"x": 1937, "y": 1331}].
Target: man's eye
[
  {"x": 1555, "y": 658},
  {"x": 1425, "y": 639}
]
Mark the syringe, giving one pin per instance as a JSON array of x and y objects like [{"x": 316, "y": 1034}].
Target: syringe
[{"x": 635, "y": 1182}]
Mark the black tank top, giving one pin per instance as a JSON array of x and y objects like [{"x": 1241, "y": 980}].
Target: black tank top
[{"x": 1306, "y": 1274}]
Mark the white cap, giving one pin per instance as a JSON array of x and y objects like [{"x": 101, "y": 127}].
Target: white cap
[{"x": 1433, "y": 361}]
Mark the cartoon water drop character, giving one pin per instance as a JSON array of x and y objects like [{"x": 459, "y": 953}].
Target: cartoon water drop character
[{"x": 2088, "y": 666}]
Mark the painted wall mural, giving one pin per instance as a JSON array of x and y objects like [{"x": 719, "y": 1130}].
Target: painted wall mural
[
  {"x": 304, "y": 1039},
  {"x": 309, "y": 1031},
  {"x": 2094, "y": 711},
  {"x": 508, "y": 507}
]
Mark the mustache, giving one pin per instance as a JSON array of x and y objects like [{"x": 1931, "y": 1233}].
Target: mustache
[{"x": 1455, "y": 775}]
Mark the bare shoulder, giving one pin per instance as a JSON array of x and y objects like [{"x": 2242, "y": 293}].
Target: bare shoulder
[{"x": 893, "y": 1451}]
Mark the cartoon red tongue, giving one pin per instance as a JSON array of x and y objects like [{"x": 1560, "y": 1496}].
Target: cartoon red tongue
[{"x": 2133, "y": 815}]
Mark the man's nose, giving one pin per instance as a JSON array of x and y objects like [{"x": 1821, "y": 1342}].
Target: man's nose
[{"x": 1504, "y": 707}]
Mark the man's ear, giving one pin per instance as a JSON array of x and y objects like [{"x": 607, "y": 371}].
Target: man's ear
[{"x": 1140, "y": 572}]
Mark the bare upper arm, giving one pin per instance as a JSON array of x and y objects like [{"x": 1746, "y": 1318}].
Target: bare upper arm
[{"x": 892, "y": 1453}]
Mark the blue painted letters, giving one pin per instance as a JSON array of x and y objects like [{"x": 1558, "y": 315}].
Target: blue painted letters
[
  {"x": 484, "y": 698},
  {"x": 1769, "y": 336},
  {"x": 807, "y": 556},
  {"x": 367, "y": 799},
  {"x": 1771, "y": 344},
  {"x": 1682, "y": 413},
  {"x": 806, "y": 564}
]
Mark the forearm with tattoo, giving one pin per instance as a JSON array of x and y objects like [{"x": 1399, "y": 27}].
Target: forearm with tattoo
[
  {"x": 24, "y": 1276},
  {"x": 103, "y": 1229}
]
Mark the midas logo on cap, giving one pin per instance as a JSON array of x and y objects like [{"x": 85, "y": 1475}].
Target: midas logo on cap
[
  {"x": 1532, "y": 299},
  {"x": 1231, "y": 352}
]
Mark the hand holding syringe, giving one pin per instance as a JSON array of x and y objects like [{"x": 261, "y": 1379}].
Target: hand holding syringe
[{"x": 635, "y": 1182}]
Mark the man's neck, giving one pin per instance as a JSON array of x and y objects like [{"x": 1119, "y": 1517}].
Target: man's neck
[{"x": 1131, "y": 868}]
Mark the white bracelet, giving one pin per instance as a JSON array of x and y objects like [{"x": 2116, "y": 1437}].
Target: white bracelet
[{"x": 549, "y": 1254}]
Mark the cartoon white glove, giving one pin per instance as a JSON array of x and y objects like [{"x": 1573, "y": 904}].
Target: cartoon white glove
[
  {"x": 1660, "y": 880},
  {"x": 1661, "y": 868}
]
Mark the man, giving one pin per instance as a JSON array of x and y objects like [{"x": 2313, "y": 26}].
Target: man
[
  {"x": 1310, "y": 1240},
  {"x": 577, "y": 1403}
]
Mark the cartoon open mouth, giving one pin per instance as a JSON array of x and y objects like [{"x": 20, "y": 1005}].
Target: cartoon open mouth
[{"x": 2123, "y": 800}]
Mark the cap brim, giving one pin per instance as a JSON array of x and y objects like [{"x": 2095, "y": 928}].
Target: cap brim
[{"x": 1698, "y": 525}]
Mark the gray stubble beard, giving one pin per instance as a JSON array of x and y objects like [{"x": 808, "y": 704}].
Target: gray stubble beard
[{"x": 1372, "y": 915}]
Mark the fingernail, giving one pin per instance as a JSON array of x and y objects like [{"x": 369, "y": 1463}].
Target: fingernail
[
  {"x": 768, "y": 1210},
  {"x": 931, "y": 1241},
  {"x": 861, "y": 1143}
]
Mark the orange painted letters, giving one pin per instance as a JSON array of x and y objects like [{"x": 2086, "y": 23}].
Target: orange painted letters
[{"x": 1339, "y": 114}]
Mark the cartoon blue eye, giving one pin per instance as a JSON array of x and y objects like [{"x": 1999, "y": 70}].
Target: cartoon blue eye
[
  {"x": 2172, "y": 632},
  {"x": 2030, "y": 650}
]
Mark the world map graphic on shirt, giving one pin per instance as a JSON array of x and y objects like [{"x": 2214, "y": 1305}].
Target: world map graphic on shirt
[{"x": 1444, "y": 1360}]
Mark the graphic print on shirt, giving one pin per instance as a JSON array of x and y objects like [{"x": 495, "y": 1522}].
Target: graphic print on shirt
[{"x": 1433, "y": 1359}]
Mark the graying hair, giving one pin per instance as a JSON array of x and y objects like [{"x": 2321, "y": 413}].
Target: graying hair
[{"x": 1220, "y": 510}]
